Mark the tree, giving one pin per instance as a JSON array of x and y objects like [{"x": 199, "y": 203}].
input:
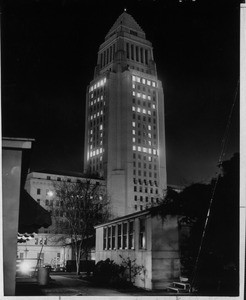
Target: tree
[
  {"x": 217, "y": 269},
  {"x": 83, "y": 205}
]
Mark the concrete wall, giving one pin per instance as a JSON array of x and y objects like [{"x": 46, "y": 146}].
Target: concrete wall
[
  {"x": 161, "y": 258},
  {"x": 165, "y": 251},
  {"x": 142, "y": 256},
  {"x": 11, "y": 179}
]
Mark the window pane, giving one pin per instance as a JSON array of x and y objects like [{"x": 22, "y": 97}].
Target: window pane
[
  {"x": 124, "y": 235},
  {"x": 119, "y": 235}
]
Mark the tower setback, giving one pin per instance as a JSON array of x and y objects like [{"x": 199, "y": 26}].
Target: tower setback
[{"x": 125, "y": 130}]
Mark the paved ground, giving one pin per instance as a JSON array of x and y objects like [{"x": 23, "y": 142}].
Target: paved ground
[
  {"x": 71, "y": 286},
  {"x": 68, "y": 284}
]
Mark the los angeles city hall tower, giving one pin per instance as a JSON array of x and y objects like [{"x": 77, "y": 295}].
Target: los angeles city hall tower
[{"x": 125, "y": 130}]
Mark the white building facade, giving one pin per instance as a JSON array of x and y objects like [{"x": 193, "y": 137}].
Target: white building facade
[
  {"x": 149, "y": 240},
  {"x": 50, "y": 244},
  {"x": 125, "y": 130}
]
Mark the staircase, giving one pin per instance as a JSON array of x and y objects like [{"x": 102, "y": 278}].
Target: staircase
[{"x": 181, "y": 286}]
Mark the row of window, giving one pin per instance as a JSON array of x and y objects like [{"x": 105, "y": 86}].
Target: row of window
[
  {"x": 40, "y": 241},
  {"x": 100, "y": 83},
  {"x": 144, "y": 110},
  {"x": 144, "y": 181},
  {"x": 146, "y": 199},
  {"x": 143, "y": 118},
  {"x": 140, "y": 189},
  {"x": 122, "y": 235},
  {"x": 96, "y": 100},
  {"x": 144, "y": 173},
  {"x": 145, "y": 165},
  {"x": 96, "y": 152},
  {"x": 143, "y": 81},
  {"x": 144, "y": 149}
]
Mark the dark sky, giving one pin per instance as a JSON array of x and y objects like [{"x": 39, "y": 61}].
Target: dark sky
[{"x": 49, "y": 51}]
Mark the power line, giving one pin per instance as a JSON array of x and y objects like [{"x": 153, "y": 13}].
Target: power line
[{"x": 222, "y": 154}]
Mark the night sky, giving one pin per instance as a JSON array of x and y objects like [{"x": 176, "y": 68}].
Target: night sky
[{"x": 49, "y": 51}]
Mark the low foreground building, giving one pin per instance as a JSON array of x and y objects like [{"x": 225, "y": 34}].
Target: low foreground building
[{"x": 147, "y": 238}]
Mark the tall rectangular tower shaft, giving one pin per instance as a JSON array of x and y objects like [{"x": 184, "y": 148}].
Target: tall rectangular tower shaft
[{"x": 125, "y": 130}]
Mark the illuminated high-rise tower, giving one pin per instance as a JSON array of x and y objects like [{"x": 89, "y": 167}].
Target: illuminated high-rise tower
[{"x": 125, "y": 131}]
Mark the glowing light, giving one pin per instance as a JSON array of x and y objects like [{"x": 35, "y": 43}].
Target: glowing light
[
  {"x": 50, "y": 193},
  {"x": 133, "y": 124},
  {"x": 138, "y": 95},
  {"x": 133, "y": 108},
  {"x": 25, "y": 267},
  {"x": 148, "y": 82},
  {"x": 134, "y": 148},
  {"x": 144, "y": 81}
]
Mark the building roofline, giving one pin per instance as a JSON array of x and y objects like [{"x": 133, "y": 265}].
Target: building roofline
[{"x": 126, "y": 217}]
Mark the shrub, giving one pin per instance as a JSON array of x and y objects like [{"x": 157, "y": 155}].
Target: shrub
[{"x": 108, "y": 272}]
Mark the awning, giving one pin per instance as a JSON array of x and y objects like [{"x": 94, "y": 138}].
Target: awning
[{"x": 32, "y": 216}]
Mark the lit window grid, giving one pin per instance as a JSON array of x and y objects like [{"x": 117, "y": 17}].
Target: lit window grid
[
  {"x": 98, "y": 84},
  {"x": 144, "y": 81}
]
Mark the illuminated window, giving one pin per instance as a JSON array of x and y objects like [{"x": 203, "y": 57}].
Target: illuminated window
[
  {"x": 98, "y": 114},
  {"x": 139, "y": 148},
  {"x": 133, "y": 93},
  {"x": 134, "y": 148},
  {"x": 149, "y": 142},
  {"x": 144, "y": 111},
  {"x": 149, "y": 127},
  {"x": 91, "y": 131},
  {"x": 101, "y": 97},
  {"x": 138, "y": 95},
  {"x": 148, "y": 82},
  {"x": 101, "y": 127},
  {"x": 133, "y": 86},
  {"x": 149, "y": 158},
  {"x": 143, "y": 81},
  {"x": 153, "y": 106},
  {"x": 104, "y": 80},
  {"x": 142, "y": 234},
  {"x": 154, "y": 152},
  {"x": 138, "y": 109},
  {"x": 149, "y": 98},
  {"x": 133, "y": 140},
  {"x": 144, "y": 149},
  {"x": 150, "y": 151},
  {"x": 149, "y": 135},
  {"x": 144, "y": 96},
  {"x": 138, "y": 79},
  {"x": 134, "y": 78},
  {"x": 133, "y": 124},
  {"x": 98, "y": 99},
  {"x": 149, "y": 112},
  {"x": 133, "y": 131},
  {"x": 153, "y": 84},
  {"x": 133, "y": 108},
  {"x": 94, "y": 86}
]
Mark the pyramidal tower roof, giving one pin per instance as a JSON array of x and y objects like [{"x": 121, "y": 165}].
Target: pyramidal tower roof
[{"x": 125, "y": 20}]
